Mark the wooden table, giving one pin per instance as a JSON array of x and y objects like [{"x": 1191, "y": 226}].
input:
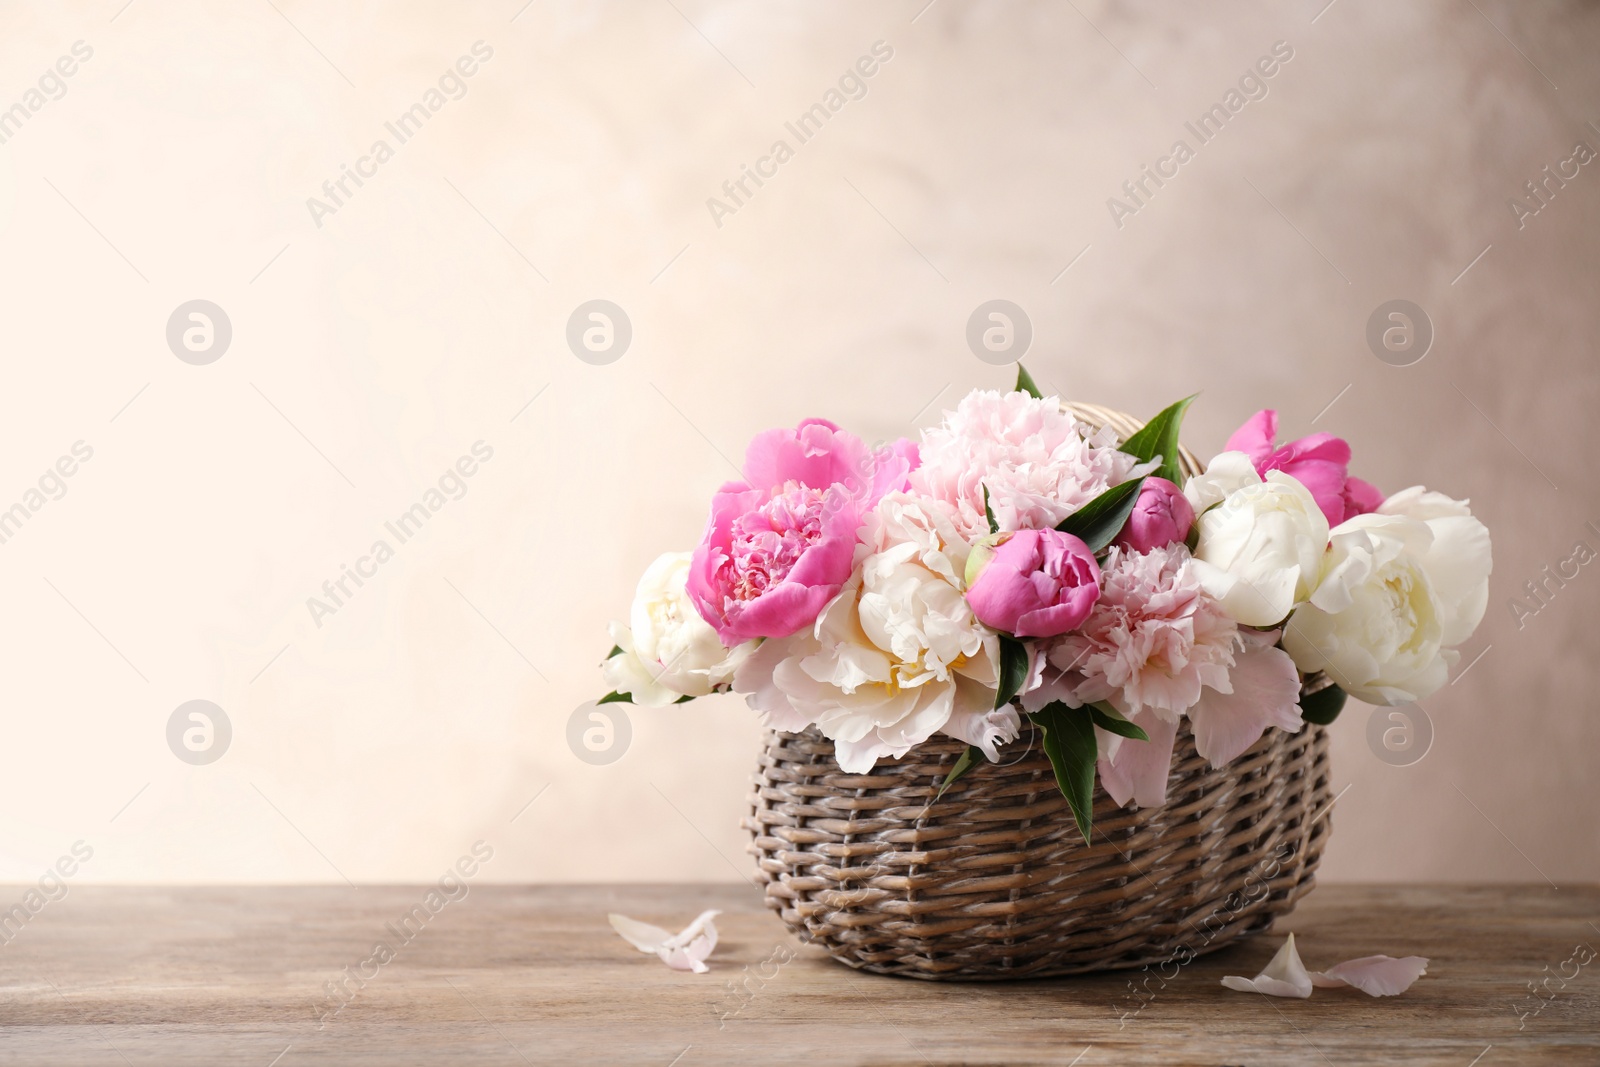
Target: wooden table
[{"x": 511, "y": 975}]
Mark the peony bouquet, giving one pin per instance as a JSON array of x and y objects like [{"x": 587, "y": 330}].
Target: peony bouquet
[{"x": 1017, "y": 563}]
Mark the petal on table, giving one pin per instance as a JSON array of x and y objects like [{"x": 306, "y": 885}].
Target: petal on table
[
  {"x": 1285, "y": 976},
  {"x": 1376, "y": 976}
]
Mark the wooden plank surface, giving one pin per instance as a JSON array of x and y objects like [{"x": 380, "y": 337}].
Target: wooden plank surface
[{"x": 514, "y": 975}]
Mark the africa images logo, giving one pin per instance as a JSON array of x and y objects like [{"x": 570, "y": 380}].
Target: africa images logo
[
  {"x": 336, "y": 592},
  {"x": 1252, "y": 86},
  {"x": 452, "y": 85}
]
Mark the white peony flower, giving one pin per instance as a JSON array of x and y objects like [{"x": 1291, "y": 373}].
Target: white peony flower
[
  {"x": 901, "y": 518},
  {"x": 896, "y": 657},
  {"x": 1260, "y": 541},
  {"x": 1400, "y": 587},
  {"x": 1038, "y": 463},
  {"x": 670, "y": 651},
  {"x": 1374, "y": 622}
]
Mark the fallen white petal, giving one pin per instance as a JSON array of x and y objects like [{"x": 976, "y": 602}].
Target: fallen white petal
[
  {"x": 685, "y": 950},
  {"x": 642, "y": 936},
  {"x": 1377, "y": 976},
  {"x": 1285, "y": 976}
]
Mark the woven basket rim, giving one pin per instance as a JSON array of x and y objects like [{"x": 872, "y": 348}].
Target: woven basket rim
[{"x": 1125, "y": 425}]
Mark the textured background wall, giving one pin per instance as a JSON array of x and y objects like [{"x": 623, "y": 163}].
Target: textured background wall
[{"x": 374, "y": 345}]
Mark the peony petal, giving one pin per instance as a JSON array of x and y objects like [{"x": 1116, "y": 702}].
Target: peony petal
[
  {"x": 642, "y": 936},
  {"x": 1272, "y": 987},
  {"x": 1266, "y": 692},
  {"x": 1458, "y": 563},
  {"x": 1419, "y": 502},
  {"x": 1049, "y": 683},
  {"x": 1141, "y": 768},
  {"x": 1228, "y": 472},
  {"x": 690, "y": 957},
  {"x": 1360, "y": 546},
  {"x": 815, "y": 453},
  {"x": 1256, "y": 436},
  {"x": 1261, "y": 600},
  {"x": 1284, "y": 976},
  {"x": 859, "y": 756},
  {"x": 975, "y": 720},
  {"x": 902, "y": 723},
  {"x": 894, "y": 467},
  {"x": 685, "y": 950},
  {"x": 1317, "y": 447},
  {"x": 784, "y": 609},
  {"x": 700, "y": 927},
  {"x": 755, "y": 679},
  {"x": 1361, "y": 497},
  {"x": 1325, "y": 481},
  {"x": 625, "y": 673},
  {"x": 1376, "y": 976}
]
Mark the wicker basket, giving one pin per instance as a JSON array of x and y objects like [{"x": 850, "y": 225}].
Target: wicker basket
[{"x": 994, "y": 881}]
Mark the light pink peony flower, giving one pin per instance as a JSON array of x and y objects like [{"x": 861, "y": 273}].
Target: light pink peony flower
[
  {"x": 1038, "y": 463},
  {"x": 1156, "y": 647},
  {"x": 780, "y": 544},
  {"x": 1263, "y": 690},
  {"x": 1162, "y": 516},
  {"x": 1033, "y": 583},
  {"x": 1152, "y": 640},
  {"x": 1320, "y": 462}
]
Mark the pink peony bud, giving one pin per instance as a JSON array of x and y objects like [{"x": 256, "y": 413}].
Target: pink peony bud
[
  {"x": 1162, "y": 516},
  {"x": 1033, "y": 583}
]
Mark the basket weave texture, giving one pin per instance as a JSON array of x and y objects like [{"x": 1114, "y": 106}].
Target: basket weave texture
[{"x": 994, "y": 881}]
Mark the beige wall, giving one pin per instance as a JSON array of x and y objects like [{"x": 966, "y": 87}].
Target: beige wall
[{"x": 377, "y": 348}]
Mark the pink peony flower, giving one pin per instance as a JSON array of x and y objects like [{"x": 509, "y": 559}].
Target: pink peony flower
[
  {"x": 1038, "y": 463},
  {"x": 1033, "y": 583},
  {"x": 779, "y": 545},
  {"x": 1162, "y": 516},
  {"x": 1320, "y": 462}
]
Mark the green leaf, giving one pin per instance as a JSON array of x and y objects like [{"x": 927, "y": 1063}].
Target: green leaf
[
  {"x": 988, "y": 512},
  {"x": 1025, "y": 383},
  {"x": 1112, "y": 721},
  {"x": 1323, "y": 706},
  {"x": 1070, "y": 744},
  {"x": 616, "y": 650},
  {"x": 1159, "y": 437},
  {"x": 964, "y": 763},
  {"x": 615, "y": 697},
  {"x": 1099, "y": 521},
  {"x": 1014, "y": 662}
]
